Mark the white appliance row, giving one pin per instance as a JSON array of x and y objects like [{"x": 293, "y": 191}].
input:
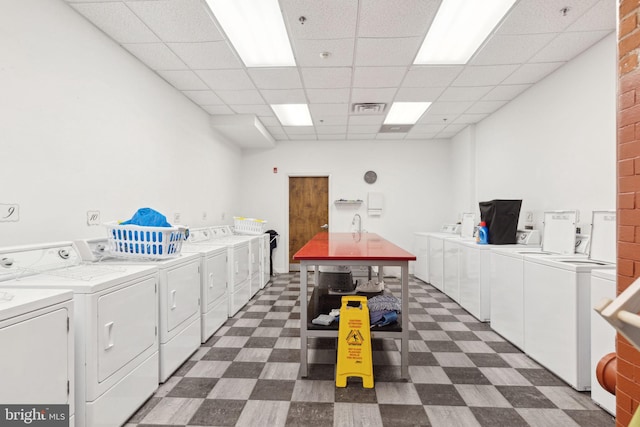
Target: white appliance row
[
  {"x": 115, "y": 318},
  {"x": 461, "y": 268}
]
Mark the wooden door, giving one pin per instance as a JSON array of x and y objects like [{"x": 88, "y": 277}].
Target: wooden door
[{"x": 308, "y": 211}]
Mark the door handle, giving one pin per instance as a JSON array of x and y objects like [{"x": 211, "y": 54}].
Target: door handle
[
  {"x": 108, "y": 332},
  {"x": 173, "y": 299},
  {"x": 326, "y": 226}
]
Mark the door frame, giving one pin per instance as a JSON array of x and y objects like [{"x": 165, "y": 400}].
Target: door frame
[{"x": 286, "y": 207}]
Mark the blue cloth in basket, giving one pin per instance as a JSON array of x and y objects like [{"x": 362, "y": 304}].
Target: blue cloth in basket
[{"x": 148, "y": 217}]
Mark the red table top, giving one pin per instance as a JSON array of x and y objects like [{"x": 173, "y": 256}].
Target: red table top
[{"x": 351, "y": 246}]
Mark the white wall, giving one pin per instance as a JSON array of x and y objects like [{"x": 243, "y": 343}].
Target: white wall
[
  {"x": 413, "y": 176},
  {"x": 85, "y": 126},
  {"x": 555, "y": 145}
]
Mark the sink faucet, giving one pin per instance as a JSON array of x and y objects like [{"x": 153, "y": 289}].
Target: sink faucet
[{"x": 353, "y": 222}]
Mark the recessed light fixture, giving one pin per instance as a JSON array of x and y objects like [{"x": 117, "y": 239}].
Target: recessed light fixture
[
  {"x": 459, "y": 28},
  {"x": 293, "y": 114},
  {"x": 405, "y": 113},
  {"x": 256, "y": 30}
]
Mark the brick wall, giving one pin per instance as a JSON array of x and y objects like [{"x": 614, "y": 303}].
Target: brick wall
[{"x": 628, "y": 384}]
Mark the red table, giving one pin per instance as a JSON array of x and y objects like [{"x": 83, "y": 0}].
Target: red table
[{"x": 353, "y": 249}]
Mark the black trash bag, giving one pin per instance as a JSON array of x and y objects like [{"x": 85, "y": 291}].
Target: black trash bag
[
  {"x": 501, "y": 217},
  {"x": 273, "y": 243}
]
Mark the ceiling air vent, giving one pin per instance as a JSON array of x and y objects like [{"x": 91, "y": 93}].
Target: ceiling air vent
[
  {"x": 395, "y": 128},
  {"x": 369, "y": 108}
]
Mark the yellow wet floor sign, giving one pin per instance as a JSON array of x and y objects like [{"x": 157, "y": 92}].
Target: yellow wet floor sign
[{"x": 354, "y": 343}]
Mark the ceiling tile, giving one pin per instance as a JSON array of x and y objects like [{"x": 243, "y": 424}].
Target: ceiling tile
[
  {"x": 341, "y": 130},
  {"x": 259, "y": 110},
  {"x": 483, "y": 107},
  {"x": 469, "y": 118},
  {"x": 519, "y": 20},
  {"x": 281, "y": 137},
  {"x": 275, "y": 130},
  {"x": 332, "y": 137},
  {"x": 226, "y": 79},
  {"x": 207, "y": 55},
  {"x": 270, "y": 121},
  {"x": 602, "y": 16},
  {"x": 386, "y": 52},
  {"x": 417, "y": 94},
  {"x": 218, "y": 109},
  {"x": 419, "y": 128},
  {"x": 183, "y": 79},
  {"x": 532, "y": 73},
  {"x": 464, "y": 93},
  {"x": 276, "y": 78},
  {"x": 328, "y": 109},
  {"x": 384, "y": 18},
  {"x": 437, "y": 119},
  {"x": 299, "y": 130},
  {"x": 303, "y": 137},
  {"x": 326, "y": 78},
  {"x": 449, "y": 107},
  {"x": 510, "y": 49},
  {"x": 330, "y": 120},
  {"x": 203, "y": 97},
  {"x": 361, "y": 136},
  {"x": 421, "y": 136},
  {"x": 568, "y": 45},
  {"x": 328, "y": 19},
  {"x": 177, "y": 20},
  {"x": 325, "y": 96},
  {"x": 505, "y": 92},
  {"x": 378, "y": 76},
  {"x": 284, "y": 96},
  {"x": 366, "y": 119},
  {"x": 118, "y": 21},
  {"x": 431, "y": 75},
  {"x": 240, "y": 96},
  {"x": 360, "y": 94},
  {"x": 308, "y": 52},
  {"x": 363, "y": 128},
  {"x": 156, "y": 56},
  {"x": 484, "y": 75}
]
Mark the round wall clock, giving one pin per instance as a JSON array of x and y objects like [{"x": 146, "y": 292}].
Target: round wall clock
[{"x": 370, "y": 177}]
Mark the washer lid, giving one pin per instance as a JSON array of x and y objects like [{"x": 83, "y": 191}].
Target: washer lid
[
  {"x": 559, "y": 235},
  {"x": 18, "y": 301},
  {"x": 468, "y": 224},
  {"x": 603, "y": 236}
]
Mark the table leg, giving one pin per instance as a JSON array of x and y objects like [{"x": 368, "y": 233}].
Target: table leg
[
  {"x": 404, "y": 356},
  {"x": 303, "y": 319}
]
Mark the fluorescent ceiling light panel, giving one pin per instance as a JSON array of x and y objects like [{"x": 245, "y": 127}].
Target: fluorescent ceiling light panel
[
  {"x": 405, "y": 113},
  {"x": 256, "y": 30},
  {"x": 459, "y": 28},
  {"x": 293, "y": 114}
]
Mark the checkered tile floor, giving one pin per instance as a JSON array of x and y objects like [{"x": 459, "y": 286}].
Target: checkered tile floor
[{"x": 462, "y": 374}]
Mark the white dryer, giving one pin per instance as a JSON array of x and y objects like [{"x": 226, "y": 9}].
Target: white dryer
[
  {"x": 265, "y": 256},
  {"x": 115, "y": 323},
  {"x": 36, "y": 332},
  {"x": 603, "y": 335},
  {"x": 239, "y": 259},
  {"x": 214, "y": 297},
  {"x": 557, "y": 311},
  {"x": 178, "y": 300}
]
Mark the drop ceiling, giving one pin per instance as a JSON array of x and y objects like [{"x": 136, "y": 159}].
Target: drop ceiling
[{"x": 350, "y": 52}]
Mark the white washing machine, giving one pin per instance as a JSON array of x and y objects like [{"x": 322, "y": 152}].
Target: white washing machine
[
  {"x": 477, "y": 271},
  {"x": 507, "y": 273},
  {"x": 214, "y": 297},
  {"x": 436, "y": 254},
  {"x": 558, "y": 304},
  {"x": 178, "y": 300},
  {"x": 421, "y": 249},
  {"x": 115, "y": 326},
  {"x": 603, "y": 335},
  {"x": 239, "y": 266},
  {"x": 36, "y": 332},
  {"x": 265, "y": 257}
]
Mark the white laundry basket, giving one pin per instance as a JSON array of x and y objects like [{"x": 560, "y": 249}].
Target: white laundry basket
[
  {"x": 135, "y": 241},
  {"x": 243, "y": 225}
]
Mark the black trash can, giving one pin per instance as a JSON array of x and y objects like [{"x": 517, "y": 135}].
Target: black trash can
[
  {"x": 501, "y": 217},
  {"x": 273, "y": 243}
]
